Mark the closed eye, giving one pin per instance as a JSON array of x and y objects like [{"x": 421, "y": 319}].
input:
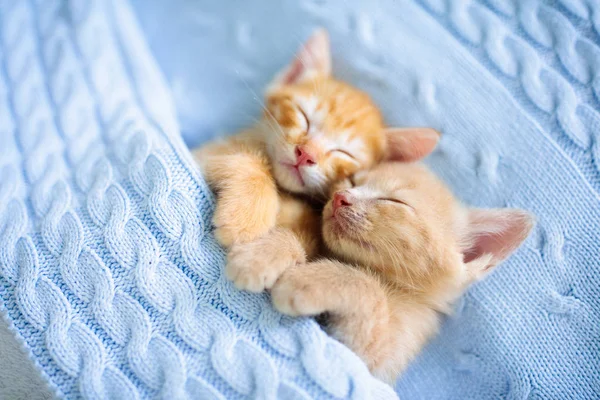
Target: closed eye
[
  {"x": 390, "y": 199},
  {"x": 306, "y": 120},
  {"x": 345, "y": 153}
]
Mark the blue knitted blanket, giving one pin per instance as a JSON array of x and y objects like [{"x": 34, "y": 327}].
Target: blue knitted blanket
[
  {"x": 110, "y": 277},
  {"x": 108, "y": 271}
]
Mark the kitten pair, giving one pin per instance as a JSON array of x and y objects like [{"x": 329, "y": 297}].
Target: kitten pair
[
  {"x": 404, "y": 247},
  {"x": 315, "y": 131}
]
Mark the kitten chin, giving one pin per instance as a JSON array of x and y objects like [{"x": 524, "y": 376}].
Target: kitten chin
[{"x": 291, "y": 179}]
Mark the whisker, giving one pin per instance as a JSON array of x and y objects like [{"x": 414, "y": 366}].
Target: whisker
[{"x": 255, "y": 97}]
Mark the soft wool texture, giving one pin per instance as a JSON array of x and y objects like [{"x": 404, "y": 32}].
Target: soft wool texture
[
  {"x": 513, "y": 87},
  {"x": 109, "y": 274}
]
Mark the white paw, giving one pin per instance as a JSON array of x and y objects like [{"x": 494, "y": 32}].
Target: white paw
[
  {"x": 256, "y": 266},
  {"x": 295, "y": 295}
]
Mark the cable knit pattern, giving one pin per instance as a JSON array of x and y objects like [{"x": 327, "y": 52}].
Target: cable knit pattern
[
  {"x": 109, "y": 273},
  {"x": 564, "y": 91},
  {"x": 111, "y": 280}
]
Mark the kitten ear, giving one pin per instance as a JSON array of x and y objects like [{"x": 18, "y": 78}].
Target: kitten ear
[
  {"x": 410, "y": 144},
  {"x": 492, "y": 235},
  {"x": 313, "y": 59}
]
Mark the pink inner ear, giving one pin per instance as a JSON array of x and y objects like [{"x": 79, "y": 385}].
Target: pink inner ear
[
  {"x": 313, "y": 58},
  {"x": 496, "y": 232},
  {"x": 294, "y": 72},
  {"x": 410, "y": 144}
]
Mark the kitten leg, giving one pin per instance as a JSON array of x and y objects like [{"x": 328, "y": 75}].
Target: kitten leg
[
  {"x": 256, "y": 265},
  {"x": 296, "y": 215},
  {"x": 247, "y": 198},
  {"x": 209, "y": 156},
  {"x": 356, "y": 302},
  {"x": 385, "y": 327},
  {"x": 238, "y": 169}
]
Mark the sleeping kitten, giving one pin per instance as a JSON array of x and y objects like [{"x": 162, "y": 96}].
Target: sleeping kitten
[
  {"x": 315, "y": 130},
  {"x": 411, "y": 250}
]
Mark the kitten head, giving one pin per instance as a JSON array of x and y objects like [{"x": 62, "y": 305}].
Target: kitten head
[
  {"x": 401, "y": 221},
  {"x": 320, "y": 130}
]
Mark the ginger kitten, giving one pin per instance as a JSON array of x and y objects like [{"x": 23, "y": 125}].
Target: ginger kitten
[
  {"x": 410, "y": 249},
  {"x": 315, "y": 130}
]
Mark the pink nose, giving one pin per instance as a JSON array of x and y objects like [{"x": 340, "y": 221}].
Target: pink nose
[
  {"x": 341, "y": 199},
  {"x": 303, "y": 157}
]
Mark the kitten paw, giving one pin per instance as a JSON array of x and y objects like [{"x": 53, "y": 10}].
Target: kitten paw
[
  {"x": 297, "y": 294},
  {"x": 256, "y": 265}
]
